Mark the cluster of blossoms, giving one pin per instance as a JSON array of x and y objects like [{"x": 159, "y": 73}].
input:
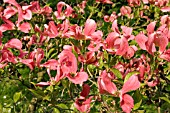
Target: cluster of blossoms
[{"x": 96, "y": 48}]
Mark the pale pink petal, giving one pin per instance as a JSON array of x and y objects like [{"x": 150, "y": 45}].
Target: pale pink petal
[
  {"x": 164, "y": 19},
  {"x": 127, "y": 31},
  {"x": 131, "y": 84},
  {"x": 110, "y": 40},
  {"x": 46, "y": 10},
  {"x": 141, "y": 39},
  {"x": 90, "y": 27},
  {"x": 105, "y": 85},
  {"x": 123, "y": 47},
  {"x": 130, "y": 52},
  {"x": 127, "y": 103},
  {"x": 165, "y": 9},
  {"x": 28, "y": 62},
  {"x": 39, "y": 56},
  {"x": 79, "y": 78},
  {"x": 34, "y": 7},
  {"x": 68, "y": 11},
  {"x": 115, "y": 27},
  {"x": 7, "y": 26},
  {"x": 52, "y": 64},
  {"x": 13, "y": 2},
  {"x": 97, "y": 36},
  {"x": 145, "y": 1},
  {"x": 162, "y": 41},
  {"x": 14, "y": 43},
  {"x": 106, "y": 18},
  {"x": 43, "y": 84},
  {"x": 151, "y": 27},
  {"x": 150, "y": 46},
  {"x": 25, "y": 27},
  {"x": 27, "y": 15}
]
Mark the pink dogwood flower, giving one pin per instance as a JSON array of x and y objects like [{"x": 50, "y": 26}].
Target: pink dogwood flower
[
  {"x": 166, "y": 55},
  {"x": 68, "y": 62},
  {"x": 62, "y": 15},
  {"x": 105, "y": 1},
  {"x": 34, "y": 58},
  {"x": 83, "y": 103},
  {"x": 125, "y": 10},
  {"x": 134, "y": 2},
  {"x": 8, "y": 25},
  {"x": 87, "y": 32},
  {"x": 126, "y": 101},
  {"x": 23, "y": 12},
  {"x": 25, "y": 27},
  {"x": 155, "y": 38},
  {"x": 165, "y": 9},
  {"x": 9, "y": 12},
  {"x": 117, "y": 43}
]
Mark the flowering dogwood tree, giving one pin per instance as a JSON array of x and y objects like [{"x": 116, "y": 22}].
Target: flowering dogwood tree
[{"x": 92, "y": 56}]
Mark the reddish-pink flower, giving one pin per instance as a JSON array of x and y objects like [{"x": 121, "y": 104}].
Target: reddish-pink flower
[
  {"x": 79, "y": 77},
  {"x": 125, "y": 10},
  {"x": 8, "y": 25},
  {"x": 67, "y": 12},
  {"x": 83, "y": 103},
  {"x": 166, "y": 55},
  {"x": 24, "y": 27},
  {"x": 126, "y": 101},
  {"x": 68, "y": 62},
  {"x": 9, "y": 11}
]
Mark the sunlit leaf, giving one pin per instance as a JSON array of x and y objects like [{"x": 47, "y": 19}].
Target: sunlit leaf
[
  {"x": 16, "y": 96},
  {"x": 165, "y": 99},
  {"x": 116, "y": 72}
]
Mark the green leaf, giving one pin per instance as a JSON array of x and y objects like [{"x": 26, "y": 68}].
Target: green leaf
[
  {"x": 16, "y": 96},
  {"x": 106, "y": 56},
  {"x": 6, "y": 110},
  {"x": 40, "y": 75},
  {"x": 50, "y": 51},
  {"x": 137, "y": 105},
  {"x": 63, "y": 106},
  {"x": 141, "y": 111},
  {"x": 50, "y": 88},
  {"x": 65, "y": 83},
  {"x": 101, "y": 62},
  {"x": 168, "y": 77},
  {"x": 137, "y": 99},
  {"x": 129, "y": 75},
  {"x": 47, "y": 98},
  {"x": 116, "y": 72},
  {"x": 53, "y": 55},
  {"x": 38, "y": 93},
  {"x": 165, "y": 99},
  {"x": 24, "y": 72},
  {"x": 1, "y": 108},
  {"x": 55, "y": 110}
]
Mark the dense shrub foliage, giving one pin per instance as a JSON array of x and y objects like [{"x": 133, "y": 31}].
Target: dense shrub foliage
[{"x": 93, "y": 56}]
